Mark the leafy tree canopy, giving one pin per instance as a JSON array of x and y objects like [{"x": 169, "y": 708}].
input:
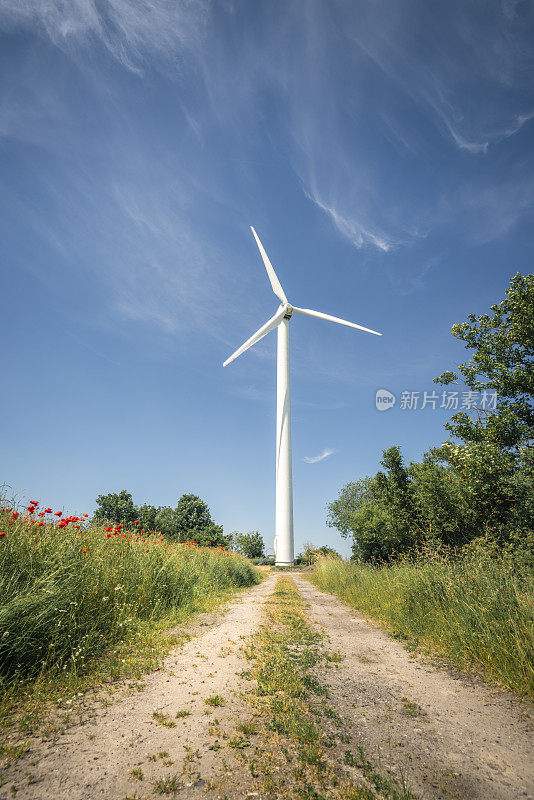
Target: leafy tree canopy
[
  {"x": 503, "y": 361},
  {"x": 116, "y": 508},
  {"x": 189, "y": 521},
  {"x": 192, "y": 514},
  {"x": 248, "y": 544},
  {"x": 482, "y": 486}
]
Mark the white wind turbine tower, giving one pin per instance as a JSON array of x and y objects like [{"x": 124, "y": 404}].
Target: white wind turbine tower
[{"x": 283, "y": 541}]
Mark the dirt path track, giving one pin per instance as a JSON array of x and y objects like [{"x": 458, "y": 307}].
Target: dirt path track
[
  {"x": 447, "y": 737},
  {"x": 450, "y": 738},
  {"x": 94, "y": 761}
]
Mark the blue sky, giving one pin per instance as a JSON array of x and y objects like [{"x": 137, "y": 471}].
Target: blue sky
[{"x": 383, "y": 152}]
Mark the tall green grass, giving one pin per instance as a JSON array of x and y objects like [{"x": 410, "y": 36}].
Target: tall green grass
[
  {"x": 67, "y": 595},
  {"x": 477, "y": 611}
]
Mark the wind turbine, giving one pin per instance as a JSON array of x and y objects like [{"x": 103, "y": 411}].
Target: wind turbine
[{"x": 283, "y": 541}]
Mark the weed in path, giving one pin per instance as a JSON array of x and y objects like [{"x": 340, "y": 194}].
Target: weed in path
[
  {"x": 163, "y": 719},
  {"x": 412, "y": 709},
  {"x": 169, "y": 785},
  {"x": 215, "y": 700}
]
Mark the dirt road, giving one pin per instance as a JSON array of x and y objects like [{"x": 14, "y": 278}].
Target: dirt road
[{"x": 447, "y": 738}]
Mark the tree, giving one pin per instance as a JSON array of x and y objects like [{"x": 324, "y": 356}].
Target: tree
[
  {"x": 147, "y": 517},
  {"x": 193, "y": 523},
  {"x": 503, "y": 361},
  {"x": 165, "y": 523},
  {"x": 326, "y": 551},
  {"x": 308, "y": 553},
  {"x": 351, "y": 497},
  {"x": 116, "y": 508},
  {"x": 248, "y": 544},
  {"x": 192, "y": 515}
]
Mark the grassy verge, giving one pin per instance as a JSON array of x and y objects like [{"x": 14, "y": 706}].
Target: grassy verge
[
  {"x": 301, "y": 750},
  {"x": 80, "y": 605},
  {"x": 477, "y": 612}
]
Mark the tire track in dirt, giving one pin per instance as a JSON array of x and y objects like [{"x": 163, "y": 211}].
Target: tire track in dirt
[
  {"x": 95, "y": 760},
  {"x": 449, "y": 737}
]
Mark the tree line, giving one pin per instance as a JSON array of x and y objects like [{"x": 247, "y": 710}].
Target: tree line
[
  {"x": 190, "y": 521},
  {"x": 480, "y": 483}
]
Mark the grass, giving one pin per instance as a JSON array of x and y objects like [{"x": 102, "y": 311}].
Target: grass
[
  {"x": 169, "y": 785},
  {"x": 294, "y": 757},
  {"x": 81, "y": 604},
  {"x": 137, "y": 774},
  {"x": 215, "y": 700},
  {"x": 163, "y": 719},
  {"x": 477, "y": 612}
]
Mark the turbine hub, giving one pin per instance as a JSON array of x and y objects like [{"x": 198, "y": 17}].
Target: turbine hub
[{"x": 289, "y": 310}]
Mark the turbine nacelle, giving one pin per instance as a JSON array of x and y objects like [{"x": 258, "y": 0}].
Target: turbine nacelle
[
  {"x": 289, "y": 310},
  {"x": 285, "y": 309}
]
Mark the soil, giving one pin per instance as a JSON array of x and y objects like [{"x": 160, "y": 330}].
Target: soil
[{"x": 447, "y": 736}]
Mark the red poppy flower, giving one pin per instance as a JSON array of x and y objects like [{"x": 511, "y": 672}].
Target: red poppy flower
[
  {"x": 136, "y": 522},
  {"x": 48, "y": 511},
  {"x": 2, "y": 533},
  {"x": 108, "y": 535},
  {"x": 15, "y": 515},
  {"x": 109, "y": 529},
  {"x": 40, "y": 523},
  {"x": 58, "y": 513}
]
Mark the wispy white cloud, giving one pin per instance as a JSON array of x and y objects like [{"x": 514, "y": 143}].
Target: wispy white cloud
[
  {"x": 331, "y": 69},
  {"x": 321, "y": 457},
  {"x": 130, "y": 30}
]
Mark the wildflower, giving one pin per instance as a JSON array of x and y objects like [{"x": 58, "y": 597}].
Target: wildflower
[
  {"x": 108, "y": 529},
  {"x": 136, "y": 522},
  {"x": 108, "y": 535},
  {"x": 2, "y": 533},
  {"x": 15, "y": 515},
  {"x": 40, "y": 523},
  {"x": 41, "y": 514},
  {"x": 48, "y": 511},
  {"x": 58, "y": 513}
]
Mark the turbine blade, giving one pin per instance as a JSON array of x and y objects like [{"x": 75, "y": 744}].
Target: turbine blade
[
  {"x": 309, "y": 313},
  {"x": 275, "y": 283},
  {"x": 263, "y": 331}
]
